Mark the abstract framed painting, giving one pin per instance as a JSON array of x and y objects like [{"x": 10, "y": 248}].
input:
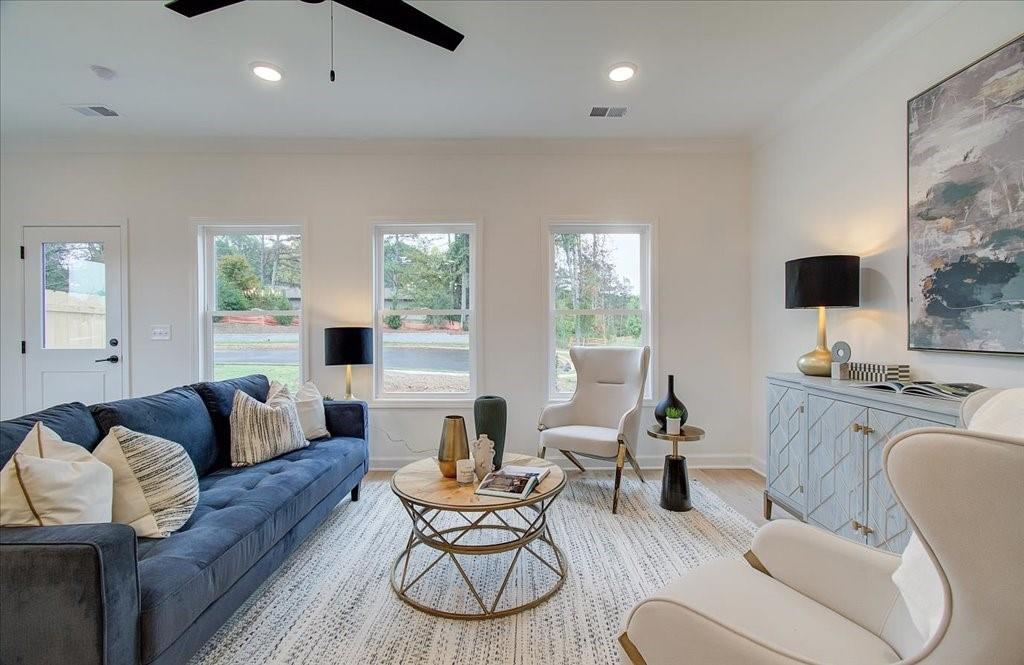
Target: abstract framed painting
[{"x": 965, "y": 208}]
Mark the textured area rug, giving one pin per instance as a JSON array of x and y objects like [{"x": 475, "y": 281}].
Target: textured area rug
[{"x": 331, "y": 601}]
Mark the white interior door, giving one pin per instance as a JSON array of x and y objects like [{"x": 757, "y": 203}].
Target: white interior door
[{"x": 74, "y": 349}]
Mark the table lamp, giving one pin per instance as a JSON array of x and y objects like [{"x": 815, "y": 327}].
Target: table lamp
[
  {"x": 822, "y": 281},
  {"x": 348, "y": 346}
]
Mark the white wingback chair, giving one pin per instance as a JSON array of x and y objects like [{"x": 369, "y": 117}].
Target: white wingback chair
[
  {"x": 812, "y": 597},
  {"x": 602, "y": 420}
]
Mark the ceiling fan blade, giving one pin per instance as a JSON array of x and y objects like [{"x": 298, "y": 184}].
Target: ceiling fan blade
[
  {"x": 192, "y": 8},
  {"x": 405, "y": 17}
]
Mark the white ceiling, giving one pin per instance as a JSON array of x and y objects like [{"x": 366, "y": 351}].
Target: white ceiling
[{"x": 525, "y": 69}]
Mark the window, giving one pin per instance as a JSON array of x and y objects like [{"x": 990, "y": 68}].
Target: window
[
  {"x": 424, "y": 291},
  {"x": 251, "y": 303},
  {"x": 600, "y": 293},
  {"x": 74, "y": 295}
]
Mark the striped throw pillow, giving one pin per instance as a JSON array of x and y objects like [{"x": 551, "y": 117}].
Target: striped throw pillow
[
  {"x": 156, "y": 488},
  {"x": 262, "y": 431}
]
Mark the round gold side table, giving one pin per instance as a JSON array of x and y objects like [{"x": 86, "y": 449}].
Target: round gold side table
[
  {"x": 675, "y": 482},
  {"x": 444, "y": 513}
]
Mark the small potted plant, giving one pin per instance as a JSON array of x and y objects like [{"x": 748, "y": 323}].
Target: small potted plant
[{"x": 673, "y": 420}]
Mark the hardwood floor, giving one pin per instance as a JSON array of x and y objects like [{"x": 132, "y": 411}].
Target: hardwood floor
[{"x": 740, "y": 488}]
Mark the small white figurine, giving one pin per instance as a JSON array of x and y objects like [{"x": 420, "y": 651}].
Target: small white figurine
[{"x": 483, "y": 456}]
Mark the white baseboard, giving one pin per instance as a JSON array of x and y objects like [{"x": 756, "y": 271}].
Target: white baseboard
[{"x": 652, "y": 462}]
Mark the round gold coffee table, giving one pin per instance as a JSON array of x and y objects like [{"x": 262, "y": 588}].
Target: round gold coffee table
[{"x": 451, "y": 520}]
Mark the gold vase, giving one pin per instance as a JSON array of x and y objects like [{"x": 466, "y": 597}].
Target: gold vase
[{"x": 454, "y": 445}]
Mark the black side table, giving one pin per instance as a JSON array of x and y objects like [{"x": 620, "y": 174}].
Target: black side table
[{"x": 675, "y": 483}]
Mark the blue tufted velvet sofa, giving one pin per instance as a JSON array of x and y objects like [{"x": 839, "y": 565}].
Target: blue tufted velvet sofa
[{"x": 96, "y": 594}]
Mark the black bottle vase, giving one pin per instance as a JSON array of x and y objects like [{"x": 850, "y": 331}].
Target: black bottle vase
[{"x": 668, "y": 400}]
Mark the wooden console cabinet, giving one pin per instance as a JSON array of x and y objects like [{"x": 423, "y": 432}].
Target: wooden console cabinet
[{"x": 824, "y": 464}]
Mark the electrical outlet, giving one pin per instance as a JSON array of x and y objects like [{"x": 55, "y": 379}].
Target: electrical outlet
[{"x": 160, "y": 333}]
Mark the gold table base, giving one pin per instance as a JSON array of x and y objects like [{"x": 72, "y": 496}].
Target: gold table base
[{"x": 445, "y": 541}]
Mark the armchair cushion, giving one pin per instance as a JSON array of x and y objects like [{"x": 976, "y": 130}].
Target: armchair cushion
[
  {"x": 600, "y": 441},
  {"x": 727, "y": 613}
]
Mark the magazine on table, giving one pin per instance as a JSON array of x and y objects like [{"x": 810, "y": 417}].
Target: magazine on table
[
  {"x": 950, "y": 391},
  {"x": 540, "y": 471},
  {"x": 503, "y": 483}
]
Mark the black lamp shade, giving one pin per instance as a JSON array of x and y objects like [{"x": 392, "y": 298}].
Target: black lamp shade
[
  {"x": 348, "y": 346},
  {"x": 823, "y": 281}
]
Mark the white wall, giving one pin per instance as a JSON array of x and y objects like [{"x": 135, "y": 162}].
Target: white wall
[
  {"x": 833, "y": 181},
  {"x": 698, "y": 200}
]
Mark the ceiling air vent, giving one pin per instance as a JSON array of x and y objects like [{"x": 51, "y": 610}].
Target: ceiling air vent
[
  {"x": 94, "y": 110},
  {"x": 608, "y": 112}
]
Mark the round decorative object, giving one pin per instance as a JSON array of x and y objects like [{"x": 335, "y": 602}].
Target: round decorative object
[
  {"x": 490, "y": 413},
  {"x": 841, "y": 352},
  {"x": 668, "y": 400}
]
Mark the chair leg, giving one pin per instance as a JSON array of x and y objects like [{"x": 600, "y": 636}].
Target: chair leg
[
  {"x": 572, "y": 458},
  {"x": 635, "y": 465},
  {"x": 620, "y": 460},
  {"x": 542, "y": 451}
]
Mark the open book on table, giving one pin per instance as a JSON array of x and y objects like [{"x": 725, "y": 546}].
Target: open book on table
[
  {"x": 512, "y": 482},
  {"x": 950, "y": 391}
]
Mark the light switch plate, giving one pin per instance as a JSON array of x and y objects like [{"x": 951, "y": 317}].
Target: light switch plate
[{"x": 160, "y": 333}]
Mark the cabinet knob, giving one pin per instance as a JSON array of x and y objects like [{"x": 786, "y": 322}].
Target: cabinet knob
[
  {"x": 857, "y": 526},
  {"x": 864, "y": 429},
  {"x": 866, "y": 530},
  {"x": 856, "y": 427}
]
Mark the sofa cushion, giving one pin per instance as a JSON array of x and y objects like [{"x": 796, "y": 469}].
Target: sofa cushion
[
  {"x": 242, "y": 513},
  {"x": 219, "y": 398},
  {"x": 72, "y": 422},
  {"x": 178, "y": 415}
]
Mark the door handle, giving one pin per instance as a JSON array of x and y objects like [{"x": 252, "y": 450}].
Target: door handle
[{"x": 109, "y": 359}]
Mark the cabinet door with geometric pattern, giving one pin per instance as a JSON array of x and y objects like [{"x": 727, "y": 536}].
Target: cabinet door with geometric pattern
[
  {"x": 787, "y": 450},
  {"x": 835, "y": 458},
  {"x": 885, "y": 518}
]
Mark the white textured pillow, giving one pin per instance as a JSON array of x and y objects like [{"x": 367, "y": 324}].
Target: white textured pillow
[
  {"x": 921, "y": 587},
  {"x": 156, "y": 488},
  {"x": 310, "y": 405},
  {"x": 1002, "y": 414},
  {"x": 262, "y": 431},
  {"x": 49, "y": 481}
]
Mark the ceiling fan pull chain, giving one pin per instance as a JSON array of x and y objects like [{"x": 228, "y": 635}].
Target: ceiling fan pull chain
[{"x": 332, "y": 42}]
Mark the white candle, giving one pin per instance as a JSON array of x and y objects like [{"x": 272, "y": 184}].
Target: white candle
[{"x": 464, "y": 471}]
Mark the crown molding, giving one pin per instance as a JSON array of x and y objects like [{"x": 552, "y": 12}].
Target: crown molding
[
  {"x": 342, "y": 146},
  {"x": 912, "y": 20}
]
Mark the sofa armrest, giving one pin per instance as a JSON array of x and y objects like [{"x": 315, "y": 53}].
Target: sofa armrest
[
  {"x": 347, "y": 418},
  {"x": 851, "y": 579},
  {"x": 70, "y": 595}
]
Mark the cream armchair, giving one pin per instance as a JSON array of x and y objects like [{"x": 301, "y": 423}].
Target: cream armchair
[
  {"x": 811, "y": 597},
  {"x": 602, "y": 420}
]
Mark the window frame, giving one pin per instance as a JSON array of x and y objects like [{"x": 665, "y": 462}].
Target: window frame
[
  {"x": 205, "y": 291},
  {"x": 647, "y": 233},
  {"x": 380, "y": 229}
]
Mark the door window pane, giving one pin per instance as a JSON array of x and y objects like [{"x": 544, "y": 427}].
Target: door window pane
[
  {"x": 249, "y": 343},
  {"x": 74, "y": 296}
]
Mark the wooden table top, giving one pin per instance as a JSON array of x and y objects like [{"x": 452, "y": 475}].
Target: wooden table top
[
  {"x": 686, "y": 433},
  {"x": 422, "y": 483}
]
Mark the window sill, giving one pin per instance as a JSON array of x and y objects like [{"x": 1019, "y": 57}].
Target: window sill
[{"x": 388, "y": 403}]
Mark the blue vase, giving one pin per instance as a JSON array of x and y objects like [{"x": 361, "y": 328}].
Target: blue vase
[{"x": 490, "y": 413}]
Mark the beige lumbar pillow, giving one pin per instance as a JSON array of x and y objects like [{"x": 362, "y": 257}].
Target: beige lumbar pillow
[
  {"x": 310, "y": 405},
  {"x": 49, "y": 481},
  {"x": 156, "y": 488},
  {"x": 262, "y": 431}
]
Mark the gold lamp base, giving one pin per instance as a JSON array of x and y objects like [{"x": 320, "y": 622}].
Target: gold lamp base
[{"x": 817, "y": 362}]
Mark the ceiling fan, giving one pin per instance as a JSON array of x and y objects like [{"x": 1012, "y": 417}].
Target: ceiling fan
[{"x": 396, "y": 13}]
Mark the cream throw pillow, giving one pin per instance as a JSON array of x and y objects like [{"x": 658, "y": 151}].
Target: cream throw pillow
[
  {"x": 49, "y": 481},
  {"x": 156, "y": 488},
  {"x": 310, "y": 405},
  {"x": 262, "y": 431}
]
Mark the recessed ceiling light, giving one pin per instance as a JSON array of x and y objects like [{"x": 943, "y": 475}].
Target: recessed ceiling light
[
  {"x": 266, "y": 71},
  {"x": 622, "y": 72}
]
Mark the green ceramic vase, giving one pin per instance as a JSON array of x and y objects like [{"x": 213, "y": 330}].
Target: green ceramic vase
[{"x": 490, "y": 413}]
